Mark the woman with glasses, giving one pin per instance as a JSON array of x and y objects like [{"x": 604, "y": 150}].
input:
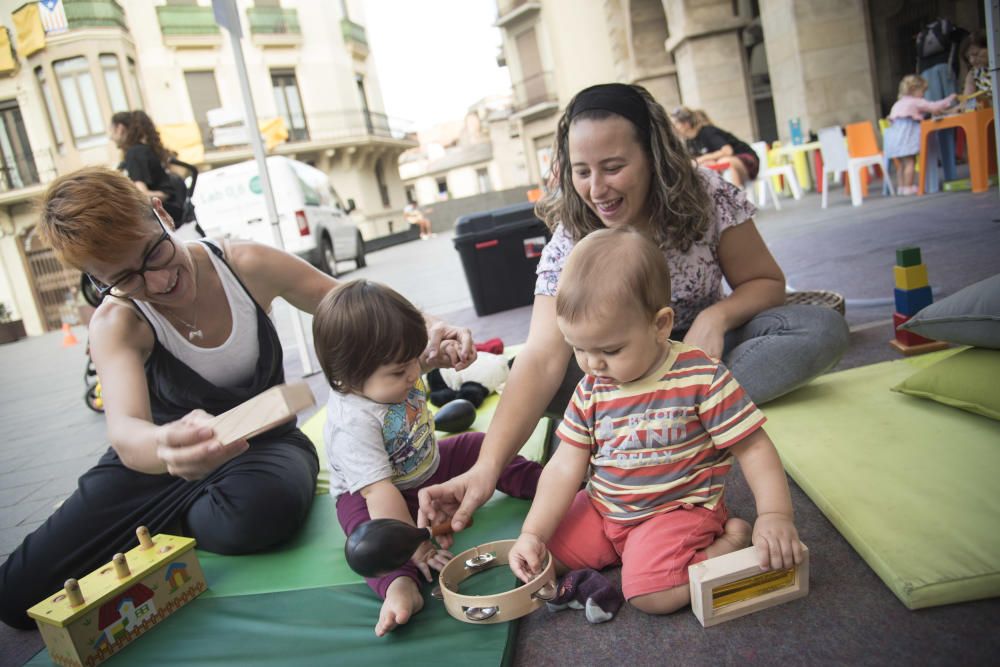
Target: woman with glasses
[{"x": 182, "y": 334}]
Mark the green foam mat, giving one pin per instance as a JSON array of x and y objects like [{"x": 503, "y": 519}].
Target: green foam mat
[
  {"x": 315, "y": 559},
  {"x": 317, "y": 626},
  {"x": 910, "y": 483}
]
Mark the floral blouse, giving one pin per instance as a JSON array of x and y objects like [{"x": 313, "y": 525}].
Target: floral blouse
[{"x": 696, "y": 275}]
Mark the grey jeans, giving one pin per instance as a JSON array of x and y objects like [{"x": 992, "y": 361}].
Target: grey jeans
[{"x": 777, "y": 351}]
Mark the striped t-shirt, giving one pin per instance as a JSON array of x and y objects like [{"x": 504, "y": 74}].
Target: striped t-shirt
[{"x": 660, "y": 442}]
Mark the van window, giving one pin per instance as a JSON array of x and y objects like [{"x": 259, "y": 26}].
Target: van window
[{"x": 311, "y": 196}]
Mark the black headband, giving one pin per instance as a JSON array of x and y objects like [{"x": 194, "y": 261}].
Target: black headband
[{"x": 614, "y": 97}]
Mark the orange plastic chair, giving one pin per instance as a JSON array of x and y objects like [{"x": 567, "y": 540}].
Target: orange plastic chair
[{"x": 862, "y": 142}]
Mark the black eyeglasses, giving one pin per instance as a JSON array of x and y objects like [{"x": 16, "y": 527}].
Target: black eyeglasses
[{"x": 155, "y": 259}]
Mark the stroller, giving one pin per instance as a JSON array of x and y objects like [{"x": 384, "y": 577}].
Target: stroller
[{"x": 185, "y": 185}]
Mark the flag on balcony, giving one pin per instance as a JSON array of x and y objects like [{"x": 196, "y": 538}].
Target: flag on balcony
[
  {"x": 273, "y": 131},
  {"x": 185, "y": 138},
  {"x": 8, "y": 63},
  {"x": 53, "y": 16},
  {"x": 28, "y": 26}
]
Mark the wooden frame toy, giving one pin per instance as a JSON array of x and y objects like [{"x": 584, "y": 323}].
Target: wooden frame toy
[
  {"x": 733, "y": 585},
  {"x": 497, "y": 608},
  {"x": 94, "y": 618},
  {"x": 262, "y": 412}
]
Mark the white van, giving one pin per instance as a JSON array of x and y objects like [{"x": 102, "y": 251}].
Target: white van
[{"x": 314, "y": 222}]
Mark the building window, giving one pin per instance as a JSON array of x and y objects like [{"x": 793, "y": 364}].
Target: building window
[
  {"x": 483, "y": 177},
  {"x": 363, "y": 99},
  {"x": 204, "y": 96},
  {"x": 442, "y": 183},
  {"x": 289, "y": 103},
  {"x": 411, "y": 195},
  {"x": 113, "y": 80},
  {"x": 17, "y": 164},
  {"x": 50, "y": 107},
  {"x": 133, "y": 76},
  {"x": 383, "y": 189},
  {"x": 79, "y": 97}
]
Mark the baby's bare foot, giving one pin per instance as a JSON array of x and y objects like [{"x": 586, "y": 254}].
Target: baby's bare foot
[
  {"x": 402, "y": 600},
  {"x": 736, "y": 535}
]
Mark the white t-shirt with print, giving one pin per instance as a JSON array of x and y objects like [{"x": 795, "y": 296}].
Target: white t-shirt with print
[{"x": 367, "y": 442}]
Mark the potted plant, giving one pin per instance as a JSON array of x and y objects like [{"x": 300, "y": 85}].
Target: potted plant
[{"x": 10, "y": 329}]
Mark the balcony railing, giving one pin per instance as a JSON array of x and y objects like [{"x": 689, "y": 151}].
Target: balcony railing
[
  {"x": 22, "y": 170},
  {"x": 273, "y": 21},
  {"x": 186, "y": 20},
  {"x": 354, "y": 123},
  {"x": 94, "y": 14},
  {"x": 353, "y": 32},
  {"x": 333, "y": 126},
  {"x": 509, "y": 11},
  {"x": 534, "y": 90}
]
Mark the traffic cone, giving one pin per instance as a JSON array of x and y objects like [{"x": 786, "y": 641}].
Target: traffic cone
[{"x": 69, "y": 339}]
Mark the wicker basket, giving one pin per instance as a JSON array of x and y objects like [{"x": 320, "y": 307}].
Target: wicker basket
[{"x": 817, "y": 298}]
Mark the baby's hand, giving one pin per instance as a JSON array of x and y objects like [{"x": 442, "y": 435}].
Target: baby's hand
[
  {"x": 527, "y": 556},
  {"x": 777, "y": 541},
  {"x": 428, "y": 557}
]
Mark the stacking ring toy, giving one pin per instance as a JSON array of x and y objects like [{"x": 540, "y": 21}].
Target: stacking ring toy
[{"x": 499, "y": 607}]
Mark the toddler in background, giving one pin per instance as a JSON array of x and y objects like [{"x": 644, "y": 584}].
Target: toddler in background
[
  {"x": 379, "y": 432},
  {"x": 902, "y": 138}
]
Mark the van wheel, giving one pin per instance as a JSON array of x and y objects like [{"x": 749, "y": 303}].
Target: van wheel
[
  {"x": 359, "y": 257},
  {"x": 328, "y": 260}
]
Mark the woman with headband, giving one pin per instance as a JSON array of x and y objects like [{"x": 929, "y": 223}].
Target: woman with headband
[{"x": 622, "y": 165}]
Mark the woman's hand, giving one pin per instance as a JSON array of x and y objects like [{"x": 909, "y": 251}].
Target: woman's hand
[
  {"x": 777, "y": 541},
  {"x": 427, "y": 557},
  {"x": 527, "y": 556},
  {"x": 708, "y": 333},
  {"x": 448, "y": 347},
  {"x": 457, "y": 498},
  {"x": 189, "y": 449}
]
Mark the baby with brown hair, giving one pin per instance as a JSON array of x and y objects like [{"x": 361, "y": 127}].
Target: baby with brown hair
[
  {"x": 653, "y": 428},
  {"x": 379, "y": 432}
]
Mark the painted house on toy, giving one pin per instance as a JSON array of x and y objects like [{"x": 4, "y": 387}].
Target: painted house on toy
[{"x": 91, "y": 620}]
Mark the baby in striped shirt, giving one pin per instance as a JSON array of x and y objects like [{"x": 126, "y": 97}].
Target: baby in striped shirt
[{"x": 657, "y": 424}]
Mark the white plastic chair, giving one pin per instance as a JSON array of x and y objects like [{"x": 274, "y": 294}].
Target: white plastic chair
[
  {"x": 833, "y": 148},
  {"x": 767, "y": 172}
]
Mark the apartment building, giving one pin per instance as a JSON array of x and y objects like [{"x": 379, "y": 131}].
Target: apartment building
[
  {"x": 752, "y": 65},
  {"x": 480, "y": 154},
  {"x": 309, "y": 64}
]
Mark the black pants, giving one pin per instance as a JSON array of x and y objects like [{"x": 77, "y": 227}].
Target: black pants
[{"x": 251, "y": 503}]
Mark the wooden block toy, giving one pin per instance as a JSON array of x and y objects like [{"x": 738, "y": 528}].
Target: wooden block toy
[
  {"x": 918, "y": 348},
  {"x": 908, "y": 256},
  {"x": 93, "y": 618},
  {"x": 733, "y": 585},
  {"x": 910, "y": 277},
  {"x": 911, "y": 301},
  {"x": 262, "y": 412}
]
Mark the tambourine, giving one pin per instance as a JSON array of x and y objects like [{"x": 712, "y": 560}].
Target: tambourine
[{"x": 500, "y": 607}]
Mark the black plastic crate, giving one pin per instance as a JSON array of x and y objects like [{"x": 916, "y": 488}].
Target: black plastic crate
[{"x": 499, "y": 251}]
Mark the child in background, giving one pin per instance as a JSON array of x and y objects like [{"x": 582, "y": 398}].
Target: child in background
[
  {"x": 379, "y": 433},
  {"x": 658, "y": 423},
  {"x": 976, "y": 55},
  {"x": 902, "y": 138}
]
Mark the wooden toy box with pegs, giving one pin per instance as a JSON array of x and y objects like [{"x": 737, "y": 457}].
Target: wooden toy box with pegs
[{"x": 89, "y": 621}]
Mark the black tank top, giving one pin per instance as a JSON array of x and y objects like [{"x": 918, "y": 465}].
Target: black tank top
[{"x": 175, "y": 389}]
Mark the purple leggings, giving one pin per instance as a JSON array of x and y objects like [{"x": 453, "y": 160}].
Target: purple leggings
[{"x": 458, "y": 453}]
